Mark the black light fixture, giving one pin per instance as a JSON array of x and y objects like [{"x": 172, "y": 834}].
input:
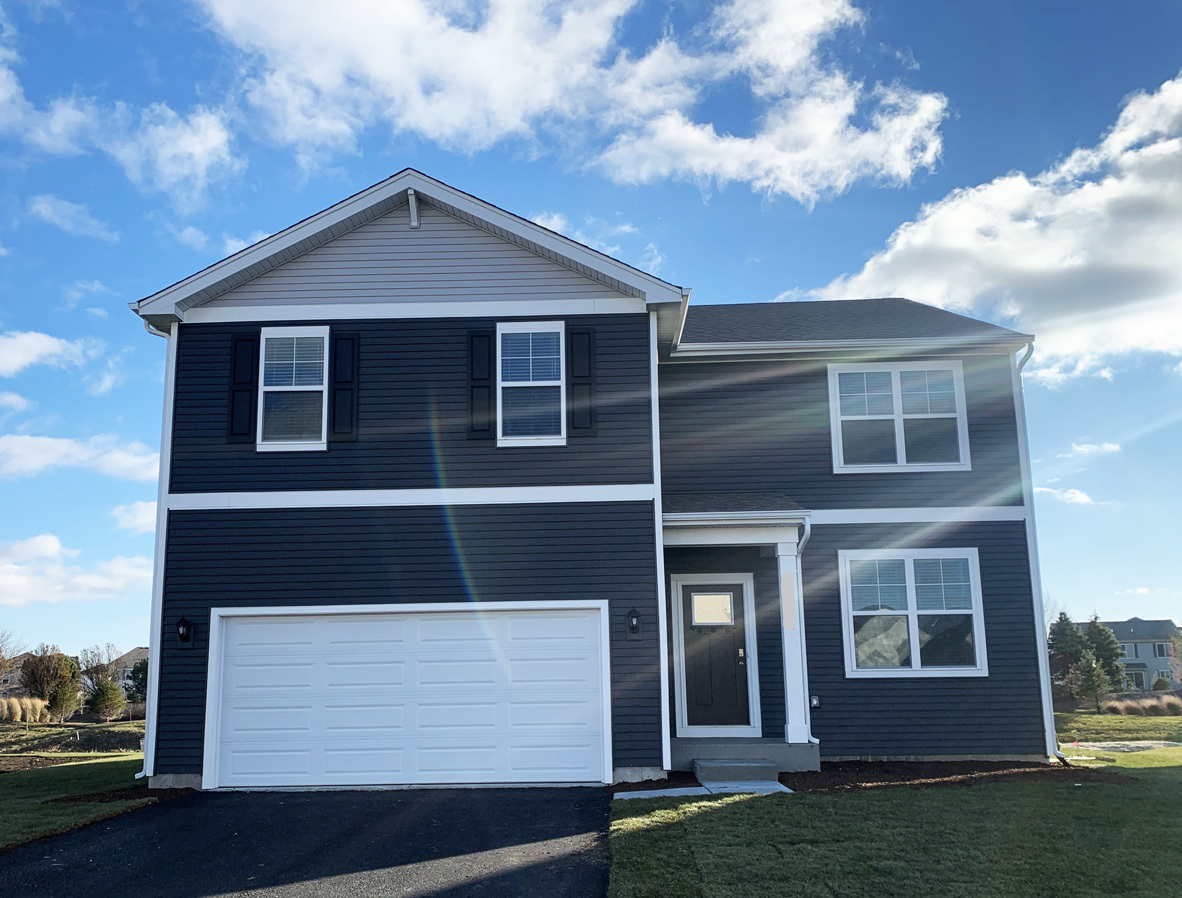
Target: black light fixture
[
  {"x": 184, "y": 631},
  {"x": 633, "y": 621},
  {"x": 814, "y": 701}
]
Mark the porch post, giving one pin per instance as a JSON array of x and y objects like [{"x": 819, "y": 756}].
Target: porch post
[{"x": 796, "y": 704}]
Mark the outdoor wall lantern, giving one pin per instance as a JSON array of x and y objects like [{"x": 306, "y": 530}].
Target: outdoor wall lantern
[
  {"x": 814, "y": 701},
  {"x": 184, "y": 632},
  {"x": 633, "y": 622}
]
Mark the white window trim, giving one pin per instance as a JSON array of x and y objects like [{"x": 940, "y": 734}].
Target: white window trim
[
  {"x": 754, "y": 729},
  {"x": 962, "y": 422},
  {"x": 292, "y": 445},
  {"x": 1164, "y": 650},
  {"x": 852, "y": 671},
  {"x": 533, "y": 327}
]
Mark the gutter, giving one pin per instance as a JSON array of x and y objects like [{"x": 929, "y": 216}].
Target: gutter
[{"x": 894, "y": 347}]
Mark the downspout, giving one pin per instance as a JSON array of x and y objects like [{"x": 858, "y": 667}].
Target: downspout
[
  {"x": 804, "y": 541},
  {"x": 153, "y": 330}
]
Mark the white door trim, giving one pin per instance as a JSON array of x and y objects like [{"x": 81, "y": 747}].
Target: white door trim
[
  {"x": 755, "y": 728},
  {"x": 218, "y": 617}
]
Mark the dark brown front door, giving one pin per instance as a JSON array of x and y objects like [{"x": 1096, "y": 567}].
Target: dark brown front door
[{"x": 715, "y": 638}]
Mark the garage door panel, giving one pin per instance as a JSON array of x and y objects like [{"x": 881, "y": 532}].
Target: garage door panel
[{"x": 412, "y": 697}]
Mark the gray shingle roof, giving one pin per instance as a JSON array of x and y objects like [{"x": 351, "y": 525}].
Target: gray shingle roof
[
  {"x": 1135, "y": 629},
  {"x": 847, "y": 319}
]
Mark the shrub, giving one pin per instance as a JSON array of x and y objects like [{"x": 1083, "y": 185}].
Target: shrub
[
  {"x": 27, "y": 709},
  {"x": 14, "y": 709},
  {"x": 3, "y": 709},
  {"x": 1172, "y": 705},
  {"x": 1115, "y": 707},
  {"x": 106, "y": 700},
  {"x": 1153, "y": 708},
  {"x": 1161, "y": 684},
  {"x": 40, "y": 711}
]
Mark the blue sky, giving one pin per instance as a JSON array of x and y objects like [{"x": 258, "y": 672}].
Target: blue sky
[{"x": 1019, "y": 162}]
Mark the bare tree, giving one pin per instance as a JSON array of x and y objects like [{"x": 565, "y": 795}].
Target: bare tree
[
  {"x": 10, "y": 647},
  {"x": 1051, "y": 608}
]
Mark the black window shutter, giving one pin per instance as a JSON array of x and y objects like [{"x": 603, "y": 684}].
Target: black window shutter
[
  {"x": 482, "y": 403},
  {"x": 244, "y": 388},
  {"x": 342, "y": 389},
  {"x": 580, "y": 364}
]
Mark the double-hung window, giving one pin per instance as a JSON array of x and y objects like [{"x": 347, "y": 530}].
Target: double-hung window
[
  {"x": 898, "y": 416},
  {"x": 531, "y": 390},
  {"x": 1161, "y": 650},
  {"x": 293, "y": 407},
  {"x": 912, "y": 612}
]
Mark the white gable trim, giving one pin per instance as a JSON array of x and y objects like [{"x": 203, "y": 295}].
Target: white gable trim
[{"x": 378, "y": 200}]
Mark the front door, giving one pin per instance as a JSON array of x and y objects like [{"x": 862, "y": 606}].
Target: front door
[{"x": 714, "y": 635}]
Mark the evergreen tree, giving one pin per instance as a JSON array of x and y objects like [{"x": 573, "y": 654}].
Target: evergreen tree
[
  {"x": 137, "y": 681},
  {"x": 45, "y": 671},
  {"x": 64, "y": 700},
  {"x": 1065, "y": 644},
  {"x": 106, "y": 700},
  {"x": 1088, "y": 679},
  {"x": 1106, "y": 650}
]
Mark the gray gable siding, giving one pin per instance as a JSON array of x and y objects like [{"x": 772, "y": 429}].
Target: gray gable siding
[
  {"x": 741, "y": 560},
  {"x": 413, "y": 416},
  {"x": 386, "y": 261},
  {"x": 277, "y": 557},
  {"x": 999, "y": 714},
  {"x": 764, "y": 426}
]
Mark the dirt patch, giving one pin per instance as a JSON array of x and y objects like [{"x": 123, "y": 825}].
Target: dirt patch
[
  {"x": 848, "y": 776},
  {"x": 131, "y": 793},
  {"x": 11, "y": 763},
  {"x": 678, "y": 779}
]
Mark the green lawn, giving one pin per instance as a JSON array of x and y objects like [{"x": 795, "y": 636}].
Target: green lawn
[
  {"x": 27, "y": 811},
  {"x": 987, "y": 841},
  {"x": 43, "y": 738},
  {"x": 1088, "y": 726}
]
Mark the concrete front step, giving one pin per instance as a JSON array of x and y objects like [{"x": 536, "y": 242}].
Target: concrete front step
[{"x": 736, "y": 770}]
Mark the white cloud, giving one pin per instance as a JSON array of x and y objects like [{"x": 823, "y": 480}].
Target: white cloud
[
  {"x": 58, "y": 128},
  {"x": 1082, "y": 450},
  {"x": 20, "y": 349},
  {"x": 138, "y": 517},
  {"x": 189, "y": 236},
  {"x": 455, "y": 73},
  {"x": 178, "y": 155},
  {"x": 555, "y": 221},
  {"x": 14, "y": 402},
  {"x": 96, "y": 312},
  {"x": 80, "y": 289},
  {"x": 1070, "y": 496},
  {"x": 1084, "y": 254},
  {"x": 37, "y": 570},
  {"x": 22, "y": 455},
  {"x": 113, "y": 373},
  {"x": 652, "y": 258},
  {"x": 232, "y": 244},
  {"x": 73, "y": 218}
]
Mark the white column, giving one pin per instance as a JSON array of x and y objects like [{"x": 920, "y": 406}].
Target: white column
[{"x": 796, "y": 700}]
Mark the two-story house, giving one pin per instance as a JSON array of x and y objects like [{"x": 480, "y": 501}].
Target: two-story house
[
  {"x": 447, "y": 497},
  {"x": 1147, "y": 650}
]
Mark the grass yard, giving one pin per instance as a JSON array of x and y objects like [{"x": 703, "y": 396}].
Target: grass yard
[
  {"x": 1088, "y": 726},
  {"x": 28, "y": 805},
  {"x": 986, "y": 841},
  {"x": 120, "y": 735}
]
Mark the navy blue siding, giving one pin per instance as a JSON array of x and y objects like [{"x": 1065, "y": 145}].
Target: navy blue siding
[
  {"x": 741, "y": 560},
  {"x": 764, "y": 426},
  {"x": 998, "y": 714},
  {"x": 413, "y": 416},
  {"x": 356, "y": 556}
]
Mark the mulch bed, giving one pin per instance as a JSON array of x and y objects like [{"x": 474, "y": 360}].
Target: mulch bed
[
  {"x": 678, "y": 779},
  {"x": 131, "y": 793},
  {"x": 849, "y": 776}
]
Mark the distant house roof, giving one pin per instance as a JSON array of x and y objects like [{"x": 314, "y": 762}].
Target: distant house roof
[
  {"x": 129, "y": 659},
  {"x": 849, "y": 320},
  {"x": 1134, "y": 629}
]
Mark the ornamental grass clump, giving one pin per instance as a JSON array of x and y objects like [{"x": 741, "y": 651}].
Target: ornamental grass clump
[
  {"x": 1115, "y": 707},
  {"x": 1172, "y": 705},
  {"x": 14, "y": 710}
]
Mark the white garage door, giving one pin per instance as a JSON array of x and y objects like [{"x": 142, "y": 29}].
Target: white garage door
[{"x": 402, "y": 698}]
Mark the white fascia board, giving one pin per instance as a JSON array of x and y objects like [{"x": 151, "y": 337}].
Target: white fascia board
[
  {"x": 447, "y": 496},
  {"x": 165, "y": 301}
]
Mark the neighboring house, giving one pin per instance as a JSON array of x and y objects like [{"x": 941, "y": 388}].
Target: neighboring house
[
  {"x": 125, "y": 662},
  {"x": 447, "y": 497},
  {"x": 10, "y": 681},
  {"x": 1149, "y": 650}
]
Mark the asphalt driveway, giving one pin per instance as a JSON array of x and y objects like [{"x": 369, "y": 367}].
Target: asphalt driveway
[{"x": 422, "y": 842}]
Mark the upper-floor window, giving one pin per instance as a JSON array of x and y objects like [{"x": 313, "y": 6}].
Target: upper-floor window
[
  {"x": 898, "y": 416},
  {"x": 531, "y": 391},
  {"x": 1161, "y": 650},
  {"x": 1128, "y": 650},
  {"x": 912, "y": 612},
  {"x": 293, "y": 407}
]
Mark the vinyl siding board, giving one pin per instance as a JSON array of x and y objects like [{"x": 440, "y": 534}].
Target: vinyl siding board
[
  {"x": 768, "y": 643},
  {"x": 276, "y": 558},
  {"x": 413, "y": 415},
  {"x": 999, "y": 714},
  {"x": 385, "y": 260},
  {"x": 764, "y": 426}
]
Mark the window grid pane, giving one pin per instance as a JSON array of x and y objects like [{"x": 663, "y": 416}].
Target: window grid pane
[
  {"x": 942, "y": 584},
  {"x": 878, "y": 585},
  {"x": 531, "y": 357},
  {"x": 882, "y": 641}
]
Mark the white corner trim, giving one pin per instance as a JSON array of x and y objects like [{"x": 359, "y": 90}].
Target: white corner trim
[
  {"x": 155, "y": 634},
  {"x": 852, "y": 671},
  {"x": 936, "y": 515},
  {"x": 662, "y": 597},
  {"x": 218, "y": 617},
  {"x": 898, "y": 416},
  {"x": 493, "y": 495},
  {"x": 233, "y": 311},
  {"x": 755, "y": 728},
  {"x": 1044, "y": 662}
]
